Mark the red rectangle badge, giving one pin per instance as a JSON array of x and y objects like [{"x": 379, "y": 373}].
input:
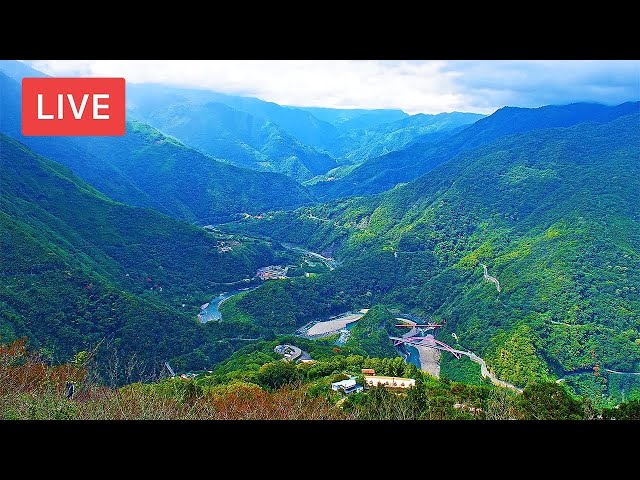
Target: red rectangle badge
[{"x": 73, "y": 106}]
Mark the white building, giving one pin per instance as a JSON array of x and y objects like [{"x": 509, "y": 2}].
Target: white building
[{"x": 347, "y": 386}]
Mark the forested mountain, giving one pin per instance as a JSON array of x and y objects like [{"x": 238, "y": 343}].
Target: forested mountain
[
  {"x": 554, "y": 214},
  {"x": 364, "y": 143},
  {"x": 240, "y": 138},
  {"x": 77, "y": 268},
  {"x": 384, "y": 172},
  {"x": 150, "y": 169},
  {"x": 148, "y": 101},
  {"x": 346, "y": 120},
  {"x": 265, "y": 136},
  {"x": 519, "y": 232}
]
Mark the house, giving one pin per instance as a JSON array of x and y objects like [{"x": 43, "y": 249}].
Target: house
[
  {"x": 368, "y": 371},
  {"x": 272, "y": 272},
  {"x": 389, "y": 382},
  {"x": 347, "y": 386}
]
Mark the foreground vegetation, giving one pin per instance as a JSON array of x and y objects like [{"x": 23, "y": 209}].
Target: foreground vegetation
[{"x": 257, "y": 386}]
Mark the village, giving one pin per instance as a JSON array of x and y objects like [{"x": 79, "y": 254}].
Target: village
[{"x": 291, "y": 353}]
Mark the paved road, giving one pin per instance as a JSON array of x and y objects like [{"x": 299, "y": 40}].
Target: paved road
[
  {"x": 489, "y": 278},
  {"x": 485, "y": 372}
]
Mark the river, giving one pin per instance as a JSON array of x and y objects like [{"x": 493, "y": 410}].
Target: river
[
  {"x": 212, "y": 312},
  {"x": 414, "y": 356}
]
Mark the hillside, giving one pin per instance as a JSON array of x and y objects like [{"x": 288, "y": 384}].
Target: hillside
[
  {"x": 77, "y": 268},
  {"x": 554, "y": 215},
  {"x": 265, "y": 136},
  {"x": 254, "y": 384},
  {"x": 346, "y": 120},
  {"x": 149, "y": 100},
  {"x": 364, "y": 143},
  {"x": 239, "y": 138},
  {"x": 149, "y": 169},
  {"x": 384, "y": 172}
]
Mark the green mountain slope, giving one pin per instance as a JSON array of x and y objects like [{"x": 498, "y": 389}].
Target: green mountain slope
[
  {"x": 384, "y": 172},
  {"x": 238, "y": 137},
  {"x": 554, "y": 214},
  {"x": 149, "y": 169},
  {"x": 150, "y": 100},
  {"x": 346, "y": 120},
  {"x": 77, "y": 268},
  {"x": 365, "y": 143}
]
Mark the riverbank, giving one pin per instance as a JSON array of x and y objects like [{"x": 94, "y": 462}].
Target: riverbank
[
  {"x": 322, "y": 328},
  {"x": 211, "y": 311},
  {"x": 429, "y": 360}
]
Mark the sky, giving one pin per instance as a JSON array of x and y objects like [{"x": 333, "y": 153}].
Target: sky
[{"x": 415, "y": 86}]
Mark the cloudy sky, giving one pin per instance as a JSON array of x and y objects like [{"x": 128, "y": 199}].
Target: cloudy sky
[{"x": 413, "y": 86}]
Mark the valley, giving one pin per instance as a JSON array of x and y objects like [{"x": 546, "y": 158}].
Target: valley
[{"x": 483, "y": 255}]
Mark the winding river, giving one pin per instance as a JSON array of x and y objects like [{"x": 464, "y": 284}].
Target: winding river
[{"x": 212, "y": 311}]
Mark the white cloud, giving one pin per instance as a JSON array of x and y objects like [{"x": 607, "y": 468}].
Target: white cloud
[{"x": 413, "y": 86}]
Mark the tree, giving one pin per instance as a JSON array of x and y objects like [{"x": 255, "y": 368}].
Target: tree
[
  {"x": 276, "y": 374},
  {"x": 625, "y": 411},
  {"x": 550, "y": 401}
]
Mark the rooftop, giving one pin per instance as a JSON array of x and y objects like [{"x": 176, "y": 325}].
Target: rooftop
[{"x": 345, "y": 383}]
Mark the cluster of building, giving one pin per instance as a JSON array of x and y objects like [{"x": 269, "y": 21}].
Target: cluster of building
[
  {"x": 225, "y": 246},
  {"x": 257, "y": 217},
  {"x": 272, "y": 272},
  {"x": 289, "y": 352},
  {"x": 372, "y": 380}
]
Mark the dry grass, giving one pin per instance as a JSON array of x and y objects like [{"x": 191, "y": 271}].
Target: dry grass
[{"x": 31, "y": 389}]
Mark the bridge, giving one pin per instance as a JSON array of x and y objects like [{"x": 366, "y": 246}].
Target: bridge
[
  {"x": 428, "y": 341},
  {"x": 431, "y": 342},
  {"x": 419, "y": 325},
  {"x": 166, "y": 364}
]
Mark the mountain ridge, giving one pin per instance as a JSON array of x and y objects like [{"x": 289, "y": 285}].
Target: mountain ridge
[{"x": 384, "y": 172}]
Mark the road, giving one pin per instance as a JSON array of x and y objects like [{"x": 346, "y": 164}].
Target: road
[
  {"x": 240, "y": 339},
  {"x": 621, "y": 373},
  {"x": 590, "y": 371},
  {"x": 489, "y": 278},
  {"x": 484, "y": 371},
  {"x": 329, "y": 262}
]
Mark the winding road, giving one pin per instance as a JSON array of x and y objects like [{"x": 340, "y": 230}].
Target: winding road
[
  {"x": 485, "y": 372},
  {"x": 435, "y": 370},
  {"x": 489, "y": 278},
  {"x": 621, "y": 373},
  {"x": 329, "y": 262}
]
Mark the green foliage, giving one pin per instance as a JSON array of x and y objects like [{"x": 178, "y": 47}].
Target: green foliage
[
  {"x": 147, "y": 168},
  {"x": 277, "y": 374},
  {"x": 461, "y": 370},
  {"x": 550, "y": 401},
  {"x": 380, "y": 173},
  {"x": 78, "y": 270},
  {"x": 369, "y": 141},
  {"x": 235, "y": 136},
  {"x": 625, "y": 411},
  {"x": 551, "y": 212},
  {"x": 370, "y": 335},
  {"x": 515, "y": 357}
]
